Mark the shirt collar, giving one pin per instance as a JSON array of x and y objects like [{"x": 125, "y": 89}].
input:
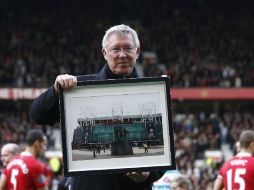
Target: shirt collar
[
  {"x": 244, "y": 154},
  {"x": 110, "y": 75},
  {"x": 26, "y": 153}
]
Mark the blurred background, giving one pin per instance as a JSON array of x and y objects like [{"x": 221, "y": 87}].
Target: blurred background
[{"x": 205, "y": 46}]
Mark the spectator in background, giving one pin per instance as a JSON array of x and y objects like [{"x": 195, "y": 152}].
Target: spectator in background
[
  {"x": 33, "y": 54},
  {"x": 25, "y": 172},
  {"x": 238, "y": 172},
  {"x": 237, "y": 148},
  {"x": 181, "y": 183},
  {"x": 9, "y": 151},
  {"x": 121, "y": 49}
]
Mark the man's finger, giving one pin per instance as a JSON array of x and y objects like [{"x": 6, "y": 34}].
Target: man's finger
[{"x": 66, "y": 81}]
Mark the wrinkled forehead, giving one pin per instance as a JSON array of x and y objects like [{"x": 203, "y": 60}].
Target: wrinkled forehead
[
  {"x": 119, "y": 38},
  {"x": 120, "y": 33},
  {"x": 4, "y": 150}
]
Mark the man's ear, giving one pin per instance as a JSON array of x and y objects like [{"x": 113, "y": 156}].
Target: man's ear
[
  {"x": 252, "y": 144},
  {"x": 37, "y": 143},
  {"x": 138, "y": 52},
  {"x": 103, "y": 52}
]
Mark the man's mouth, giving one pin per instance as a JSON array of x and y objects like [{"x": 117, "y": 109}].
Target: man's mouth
[{"x": 123, "y": 63}]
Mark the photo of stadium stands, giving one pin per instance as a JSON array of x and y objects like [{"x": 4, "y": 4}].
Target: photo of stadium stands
[
  {"x": 105, "y": 137},
  {"x": 137, "y": 133}
]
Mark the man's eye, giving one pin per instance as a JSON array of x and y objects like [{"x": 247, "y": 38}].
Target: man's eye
[
  {"x": 128, "y": 49},
  {"x": 115, "y": 49}
]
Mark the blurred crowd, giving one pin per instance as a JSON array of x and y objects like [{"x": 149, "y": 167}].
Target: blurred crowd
[
  {"x": 197, "y": 43},
  {"x": 15, "y": 122},
  {"x": 195, "y": 133}
]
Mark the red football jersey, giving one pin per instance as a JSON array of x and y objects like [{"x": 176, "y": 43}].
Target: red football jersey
[
  {"x": 25, "y": 172},
  {"x": 238, "y": 172}
]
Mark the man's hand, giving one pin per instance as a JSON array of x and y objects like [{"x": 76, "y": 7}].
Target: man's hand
[
  {"x": 138, "y": 177},
  {"x": 66, "y": 81}
]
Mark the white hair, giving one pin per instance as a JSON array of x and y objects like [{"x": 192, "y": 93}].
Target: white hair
[
  {"x": 123, "y": 30},
  {"x": 11, "y": 148}
]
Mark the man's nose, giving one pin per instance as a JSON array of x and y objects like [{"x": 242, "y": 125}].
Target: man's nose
[{"x": 122, "y": 53}]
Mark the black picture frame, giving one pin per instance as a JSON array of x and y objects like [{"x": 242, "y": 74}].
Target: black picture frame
[{"x": 117, "y": 125}]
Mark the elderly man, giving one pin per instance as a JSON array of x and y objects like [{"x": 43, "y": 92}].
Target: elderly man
[
  {"x": 25, "y": 171},
  {"x": 120, "y": 48},
  {"x": 9, "y": 151}
]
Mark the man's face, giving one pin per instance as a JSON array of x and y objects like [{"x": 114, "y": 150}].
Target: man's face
[
  {"x": 174, "y": 185},
  {"x": 41, "y": 147},
  {"x": 252, "y": 148},
  {"x": 6, "y": 157},
  {"x": 121, "y": 54}
]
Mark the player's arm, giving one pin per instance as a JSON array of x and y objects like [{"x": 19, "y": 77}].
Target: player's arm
[
  {"x": 218, "y": 184},
  {"x": 3, "y": 182}
]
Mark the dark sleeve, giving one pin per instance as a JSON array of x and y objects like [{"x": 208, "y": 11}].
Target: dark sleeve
[
  {"x": 156, "y": 175},
  {"x": 45, "y": 109},
  {"x": 64, "y": 183},
  {"x": 125, "y": 184}
]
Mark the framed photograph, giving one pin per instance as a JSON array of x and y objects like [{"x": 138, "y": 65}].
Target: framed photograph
[{"x": 117, "y": 126}]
